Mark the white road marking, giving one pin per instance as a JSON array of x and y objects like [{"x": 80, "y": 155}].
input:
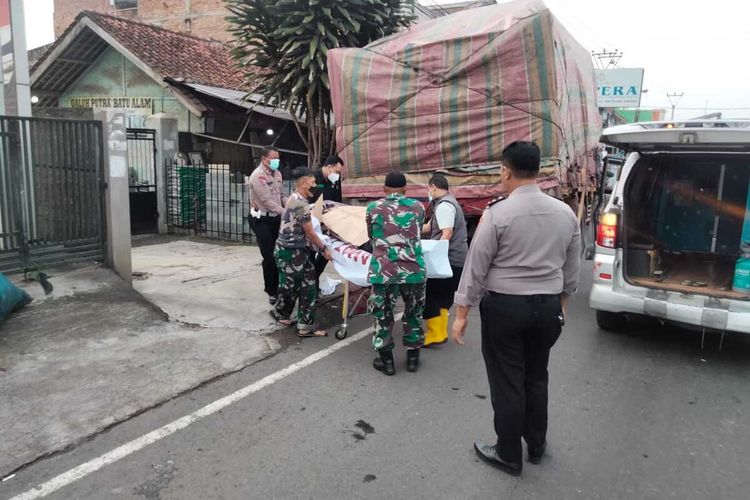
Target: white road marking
[{"x": 131, "y": 447}]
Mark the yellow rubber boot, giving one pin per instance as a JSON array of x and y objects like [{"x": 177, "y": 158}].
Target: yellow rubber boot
[
  {"x": 436, "y": 330},
  {"x": 432, "y": 333},
  {"x": 444, "y": 319}
]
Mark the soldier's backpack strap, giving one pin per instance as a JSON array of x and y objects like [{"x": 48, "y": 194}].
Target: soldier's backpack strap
[{"x": 494, "y": 201}]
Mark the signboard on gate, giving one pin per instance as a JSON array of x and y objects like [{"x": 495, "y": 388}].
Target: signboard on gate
[
  {"x": 619, "y": 87},
  {"x": 113, "y": 102}
]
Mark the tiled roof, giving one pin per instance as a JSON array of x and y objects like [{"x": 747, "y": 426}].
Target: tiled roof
[
  {"x": 172, "y": 54},
  {"x": 168, "y": 53}
]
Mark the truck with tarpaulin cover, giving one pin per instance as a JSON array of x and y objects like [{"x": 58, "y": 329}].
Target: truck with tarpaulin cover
[{"x": 447, "y": 95}]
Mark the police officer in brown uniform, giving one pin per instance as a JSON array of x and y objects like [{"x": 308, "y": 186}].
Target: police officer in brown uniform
[
  {"x": 267, "y": 204},
  {"x": 523, "y": 265}
]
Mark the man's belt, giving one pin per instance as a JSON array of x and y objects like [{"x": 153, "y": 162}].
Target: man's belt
[
  {"x": 543, "y": 297},
  {"x": 260, "y": 213}
]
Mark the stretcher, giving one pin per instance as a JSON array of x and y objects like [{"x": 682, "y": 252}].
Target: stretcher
[
  {"x": 352, "y": 264},
  {"x": 348, "y": 313}
]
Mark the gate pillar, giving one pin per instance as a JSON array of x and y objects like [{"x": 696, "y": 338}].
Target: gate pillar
[
  {"x": 166, "y": 147},
  {"x": 117, "y": 193}
]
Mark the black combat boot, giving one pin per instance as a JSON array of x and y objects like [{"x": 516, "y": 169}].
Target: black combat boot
[
  {"x": 412, "y": 360},
  {"x": 385, "y": 363}
]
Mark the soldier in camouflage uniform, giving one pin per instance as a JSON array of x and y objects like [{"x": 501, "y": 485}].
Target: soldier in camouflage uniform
[
  {"x": 295, "y": 258},
  {"x": 397, "y": 267}
]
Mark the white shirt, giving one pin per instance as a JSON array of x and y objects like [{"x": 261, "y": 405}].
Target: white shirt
[{"x": 445, "y": 215}]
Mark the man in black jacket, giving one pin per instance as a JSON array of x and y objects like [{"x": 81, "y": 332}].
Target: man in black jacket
[
  {"x": 327, "y": 183},
  {"x": 328, "y": 180}
]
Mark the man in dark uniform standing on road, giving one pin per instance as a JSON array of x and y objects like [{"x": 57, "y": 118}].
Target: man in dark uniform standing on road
[
  {"x": 523, "y": 265},
  {"x": 267, "y": 203}
]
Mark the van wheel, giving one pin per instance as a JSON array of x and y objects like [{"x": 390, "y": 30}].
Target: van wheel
[{"x": 612, "y": 322}]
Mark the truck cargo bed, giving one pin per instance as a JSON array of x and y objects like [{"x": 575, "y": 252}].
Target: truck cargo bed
[
  {"x": 684, "y": 222},
  {"x": 695, "y": 274}
]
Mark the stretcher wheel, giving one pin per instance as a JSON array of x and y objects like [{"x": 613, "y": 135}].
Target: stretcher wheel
[{"x": 341, "y": 333}]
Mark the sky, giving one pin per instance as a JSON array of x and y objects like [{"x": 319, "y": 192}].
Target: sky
[
  {"x": 685, "y": 47},
  {"x": 39, "y": 27}
]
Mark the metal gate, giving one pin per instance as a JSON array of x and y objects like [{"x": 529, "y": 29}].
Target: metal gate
[
  {"x": 207, "y": 200},
  {"x": 51, "y": 189},
  {"x": 144, "y": 212}
]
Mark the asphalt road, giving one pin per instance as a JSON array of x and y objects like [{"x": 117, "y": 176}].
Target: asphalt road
[{"x": 642, "y": 414}]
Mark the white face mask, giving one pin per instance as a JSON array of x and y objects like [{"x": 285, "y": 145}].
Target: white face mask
[{"x": 334, "y": 177}]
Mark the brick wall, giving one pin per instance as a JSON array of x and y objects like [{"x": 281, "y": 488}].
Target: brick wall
[
  {"x": 67, "y": 10},
  {"x": 201, "y": 18},
  {"x": 214, "y": 26}
]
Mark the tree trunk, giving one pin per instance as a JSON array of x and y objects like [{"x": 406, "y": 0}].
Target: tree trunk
[
  {"x": 312, "y": 154},
  {"x": 321, "y": 130},
  {"x": 305, "y": 140}
]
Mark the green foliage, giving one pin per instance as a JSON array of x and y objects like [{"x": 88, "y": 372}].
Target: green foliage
[{"x": 282, "y": 45}]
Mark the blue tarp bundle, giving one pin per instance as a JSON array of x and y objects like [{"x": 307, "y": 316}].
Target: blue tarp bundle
[{"x": 12, "y": 298}]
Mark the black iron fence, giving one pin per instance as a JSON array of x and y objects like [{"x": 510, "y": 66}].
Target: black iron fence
[
  {"x": 51, "y": 186},
  {"x": 207, "y": 200},
  {"x": 144, "y": 210},
  {"x": 141, "y": 160},
  {"x": 211, "y": 200}
]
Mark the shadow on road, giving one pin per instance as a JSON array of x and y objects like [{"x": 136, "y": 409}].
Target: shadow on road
[{"x": 648, "y": 335}]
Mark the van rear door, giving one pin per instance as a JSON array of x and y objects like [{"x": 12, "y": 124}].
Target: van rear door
[{"x": 705, "y": 137}]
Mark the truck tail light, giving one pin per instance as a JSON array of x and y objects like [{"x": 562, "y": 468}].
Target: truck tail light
[{"x": 606, "y": 231}]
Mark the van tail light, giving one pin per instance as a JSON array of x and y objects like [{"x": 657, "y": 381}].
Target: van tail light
[{"x": 606, "y": 231}]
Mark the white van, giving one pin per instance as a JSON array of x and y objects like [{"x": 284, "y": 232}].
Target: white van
[{"x": 670, "y": 238}]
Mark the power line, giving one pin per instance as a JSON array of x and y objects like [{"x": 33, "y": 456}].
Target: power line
[
  {"x": 601, "y": 56},
  {"x": 433, "y": 2},
  {"x": 674, "y": 103},
  {"x": 583, "y": 30}
]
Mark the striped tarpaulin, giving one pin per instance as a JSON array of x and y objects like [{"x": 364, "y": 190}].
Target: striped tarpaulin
[{"x": 452, "y": 92}]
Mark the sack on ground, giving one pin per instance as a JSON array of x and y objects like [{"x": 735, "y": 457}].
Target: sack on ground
[{"x": 12, "y": 298}]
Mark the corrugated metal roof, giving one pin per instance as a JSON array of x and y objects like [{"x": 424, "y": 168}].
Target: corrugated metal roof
[{"x": 238, "y": 98}]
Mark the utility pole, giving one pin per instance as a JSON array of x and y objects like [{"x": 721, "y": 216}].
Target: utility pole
[
  {"x": 674, "y": 103},
  {"x": 638, "y": 109},
  {"x": 602, "y": 56}
]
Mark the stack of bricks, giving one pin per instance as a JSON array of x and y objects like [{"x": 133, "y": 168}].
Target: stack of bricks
[{"x": 200, "y": 18}]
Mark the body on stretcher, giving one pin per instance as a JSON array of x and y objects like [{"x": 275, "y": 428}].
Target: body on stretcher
[{"x": 353, "y": 265}]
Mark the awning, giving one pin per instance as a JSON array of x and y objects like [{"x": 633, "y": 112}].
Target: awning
[{"x": 237, "y": 97}]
